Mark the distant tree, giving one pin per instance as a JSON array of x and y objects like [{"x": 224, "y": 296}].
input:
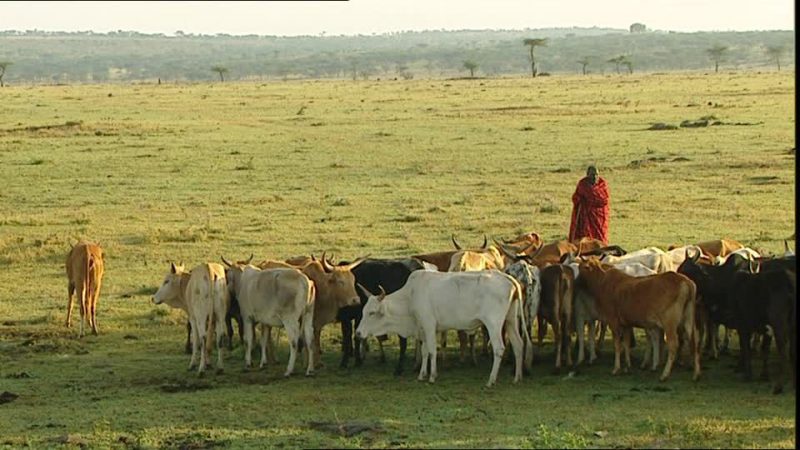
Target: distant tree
[
  {"x": 221, "y": 70},
  {"x": 717, "y": 53},
  {"x": 471, "y": 66},
  {"x": 533, "y": 43},
  {"x": 3, "y": 66},
  {"x": 618, "y": 60},
  {"x": 775, "y": 52},
  {"x": 584, "y": 62},
  {"x": 628, "y": 63},
  {"x": 638, "y": 27}
]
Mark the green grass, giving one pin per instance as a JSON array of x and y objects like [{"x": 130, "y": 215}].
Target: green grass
[{"x": 191, "y": 172}]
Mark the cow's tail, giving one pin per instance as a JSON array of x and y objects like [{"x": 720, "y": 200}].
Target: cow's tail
[
  {"x": 565, "y": 289},
  {"x": 86, "y": 289},
  {"x": 307, "y": 326},
  {"x": 211, "y": 319}
]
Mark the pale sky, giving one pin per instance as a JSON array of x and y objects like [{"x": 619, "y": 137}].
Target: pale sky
[{"x": 380, "y": 16}]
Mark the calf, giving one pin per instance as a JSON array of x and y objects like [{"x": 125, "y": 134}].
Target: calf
[
  {"x": 665, "y": 301},
  {"x": 85, "y": 274},
  {"x": 556, "y": 307}
]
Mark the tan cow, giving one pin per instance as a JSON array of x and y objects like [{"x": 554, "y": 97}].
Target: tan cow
[
  {"x": 717, "y": 247},
  {"x": 84, "y": 274},
  {"x": 664, "y": 301},
  {"x": 335, "y": 289},
  {"x": 203, "y": 293}
]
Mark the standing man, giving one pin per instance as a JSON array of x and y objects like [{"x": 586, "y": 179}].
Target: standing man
[{"x": 590, "y": 208}]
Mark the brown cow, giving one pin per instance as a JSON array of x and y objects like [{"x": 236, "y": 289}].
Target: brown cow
[
  {"x": 665, "y": 301},
  {"x": 556, "y": 305},
  {"x": 85, "y": 273},
  {"x": 335, "y": 288}
]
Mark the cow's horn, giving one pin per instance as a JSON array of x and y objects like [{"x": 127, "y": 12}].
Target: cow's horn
[
  {"x": 483, "y": 247},
  {"x": 358, "y": 261},
  {"x": 249, "y": 259},
  {"x": 383, "y": 292},
  {"x": 786, "y": 245},
  {"x": 325, "y": 264},
  {"x": 172, "y": 268},
  {"x": 365, "y": 290},
  {"x": 225, "y": 261},
  {"x": 453, "y": 238}
]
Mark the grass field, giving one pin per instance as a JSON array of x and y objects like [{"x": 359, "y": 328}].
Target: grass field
[{"x": 190, "y": 172}]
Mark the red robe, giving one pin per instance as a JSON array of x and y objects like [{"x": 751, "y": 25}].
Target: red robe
[{"x": 590, "y": 211}]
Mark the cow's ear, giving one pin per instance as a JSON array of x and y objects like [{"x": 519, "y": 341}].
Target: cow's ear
[{"x": 172, "y": 268}]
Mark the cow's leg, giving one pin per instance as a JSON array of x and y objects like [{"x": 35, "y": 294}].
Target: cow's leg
[
  {"x": 472, "y": 350},
  {"x": 272, "y": 345},
  {"x": 219, "y": 333},
  {"x": 780, "y": 345},
  {"x": 590, "y": 338},
  {"x": 541, "y": 329},
  {"x": 512, "y": 331},
  {"x": 557, "y": 342},
  {"x": 496, "y": 338},
  {"x": 248, "y": 340},
  {"x": 430, "y": 341},
  {"x": 229, "y": 330},
  {"x": 616, "y": 334},
  {"x": 317, "y": 347},
  {"x": 188, "y": 347},
  {"x": 725, "y": 341},
  {"x": 443, "y": 340},
  {"x": 308, "y": 335},
  {"x": 83, "y": 294},
  {"x": 744, "y": 341},
  {"x": 264, "y": 344},
  {"x": 347, "y": 342},
  {"x": 423, "y": 369},
  {"x": 382, "y": 357},
  {"x": 70, "y": 302},
  {"x": 485, "y": 335},
  {"x": 626, "y": 345},
  {"x": 202, "y": 331},
  {"x": 93, "y": 307},
  {"x": 293, "y": 335},
  {"x": 765, "y": 342},
  {"x": 401, "y": 359},
  {"x": 580, "y": 328},
  {"x": 756, "y": 340},
  {"x": 463, "y": 342},
  {"x": 195, "y": 346},
  {"x": 601, "y": 334},
  {"x": 656, "y": 340},
  {"x": 567, "y": 336},
  {"x": 648, "y": 350},
  {"x": 671, "y": 332}
]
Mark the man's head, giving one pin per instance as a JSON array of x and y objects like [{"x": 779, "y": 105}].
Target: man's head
[{"x": 591, "y": 174}]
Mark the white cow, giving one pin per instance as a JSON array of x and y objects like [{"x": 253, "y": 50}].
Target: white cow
[
  {"x": 660, "y": 262},
  {"x": 431, "y": 302},
  {"x": 746, "y": 252},
  {"x": 282, "y": 298},
  {"x": 203, "y": 294},
  {"x": 678, "y": 254}
]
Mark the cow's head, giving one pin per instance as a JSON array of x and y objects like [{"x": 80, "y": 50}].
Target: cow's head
[
  {"x": 458, "y": 247},
  {"x": 233, "y": 274},
  {"x": 373, "y": 320},
  {"x": 336, "y": 283},
  {"x": 170, "y": 291},
  {"x": 509, "y": 254}
]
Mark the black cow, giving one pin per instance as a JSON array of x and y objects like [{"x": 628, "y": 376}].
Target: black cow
[
  {"x": 392, "y": 274},
  {"x": 712, "y": 284},
  {"x": 756, "y": 300}
]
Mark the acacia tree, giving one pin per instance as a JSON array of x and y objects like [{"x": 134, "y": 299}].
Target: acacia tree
[
  {"x": 221, "y": 70},
  {"x": 617, "y": 60},
  {"x": 471, "y": 66},
  {"x": 533, "y": 43},
  {"x": 628, "y": 63},
  {"x": 775, "y": 52},
  {"x": 717, "y": 53},
  {"x": 584, "y": 62},
  {"x": 3, "y": 66}
]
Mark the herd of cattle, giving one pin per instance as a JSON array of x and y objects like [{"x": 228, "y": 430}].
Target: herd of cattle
[{"x": 679, "y": 297}]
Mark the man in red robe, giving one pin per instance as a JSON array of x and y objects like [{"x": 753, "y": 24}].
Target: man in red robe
[{"x": 590, "y": 208}]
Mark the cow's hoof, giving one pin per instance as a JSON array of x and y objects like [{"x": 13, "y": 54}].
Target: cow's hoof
[
  {"x": 191, "y": 368},
  {"x": 201, "y": 373},
  {"x": 615, "y": 372},
  {"x": 431, "y": 380},
  {"x": 310, "y": 374},
  {"x": 220, "y": 371},
  {"x": 287, "y": 375},
  {"x": 662, "y": 379}
]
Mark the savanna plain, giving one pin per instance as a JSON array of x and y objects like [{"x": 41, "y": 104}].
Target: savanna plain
[{"x": 189, "y": 172}]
